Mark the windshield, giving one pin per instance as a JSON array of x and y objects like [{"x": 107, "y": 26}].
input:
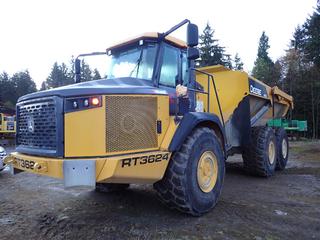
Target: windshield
[
  {"x": 137, "y": 62},
  {"x": 8, "y": 118}
]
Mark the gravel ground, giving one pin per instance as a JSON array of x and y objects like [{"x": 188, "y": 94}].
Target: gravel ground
[{"x": 285, "y": 206}]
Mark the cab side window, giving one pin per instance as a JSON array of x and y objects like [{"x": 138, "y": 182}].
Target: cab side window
[
  {"x": 170, "y": 64},
  {"x": 184, "y": 67}
]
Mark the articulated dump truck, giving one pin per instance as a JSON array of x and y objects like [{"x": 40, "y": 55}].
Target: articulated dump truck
[
  {"x": 7, "y": 126},
  {"x": 7, "y": 122},
  {"x": 154, "y": 119}
]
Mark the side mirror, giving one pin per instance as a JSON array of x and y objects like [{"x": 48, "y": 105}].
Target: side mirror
[
  {"x": 193, "y": 53},
  {"x": 77, "y": 70},
  {"x": 192, "y": 35}
]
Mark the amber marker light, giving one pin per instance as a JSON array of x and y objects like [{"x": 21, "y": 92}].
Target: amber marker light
[{"x": 95, "y": 101}]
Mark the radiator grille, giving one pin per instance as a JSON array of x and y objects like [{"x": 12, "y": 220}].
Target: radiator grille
[
  {"x": 130, "y": 123},
  {"x": 37, "y": 125}
]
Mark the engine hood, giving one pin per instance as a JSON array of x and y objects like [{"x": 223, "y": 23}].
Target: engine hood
[{"x": 104, "y": 86}]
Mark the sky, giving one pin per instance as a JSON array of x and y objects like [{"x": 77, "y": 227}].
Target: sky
[{"x": 36, "y": 33}]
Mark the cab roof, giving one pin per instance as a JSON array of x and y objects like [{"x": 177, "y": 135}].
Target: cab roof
[{"x": 149, "y": 35}]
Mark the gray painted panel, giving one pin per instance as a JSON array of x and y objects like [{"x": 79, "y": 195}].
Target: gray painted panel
[{"x": 79, "y": 173}]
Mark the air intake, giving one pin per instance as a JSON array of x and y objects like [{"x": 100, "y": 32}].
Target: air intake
[{"x": 131, "y": 123}]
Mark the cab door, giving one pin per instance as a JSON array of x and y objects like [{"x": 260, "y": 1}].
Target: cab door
[{"x": 174, "y": 71}]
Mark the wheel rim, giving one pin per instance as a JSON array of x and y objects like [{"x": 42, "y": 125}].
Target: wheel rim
[
  {"x": 272, "y": 152},
  {"x": 207, "y": 172},
  {"x": 284, "y": 148}
]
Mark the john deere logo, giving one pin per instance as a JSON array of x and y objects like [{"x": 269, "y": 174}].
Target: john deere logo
[{"x": 30, "y": 123}]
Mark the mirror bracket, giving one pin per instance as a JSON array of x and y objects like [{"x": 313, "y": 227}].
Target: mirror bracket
[{"x": 77, "y": 70}]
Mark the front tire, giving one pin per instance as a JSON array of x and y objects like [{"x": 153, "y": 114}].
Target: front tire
[{"x": 194, "y": 177}]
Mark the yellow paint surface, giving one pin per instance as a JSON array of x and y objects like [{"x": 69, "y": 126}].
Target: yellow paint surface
[{"x": 107, "y": 169}]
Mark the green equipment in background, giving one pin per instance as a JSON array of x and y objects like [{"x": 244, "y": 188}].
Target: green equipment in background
[{"x": 289, "y": 125}]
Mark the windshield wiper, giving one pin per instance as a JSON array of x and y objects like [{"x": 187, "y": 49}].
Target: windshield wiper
[{"x": 137, "y": 64}]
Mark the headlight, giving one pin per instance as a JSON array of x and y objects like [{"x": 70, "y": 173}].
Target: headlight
[{"x": 82, "y": 103}]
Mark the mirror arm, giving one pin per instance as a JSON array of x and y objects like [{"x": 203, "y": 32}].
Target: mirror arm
[
  {"x": 91, "y": 54},
  {"x": 77, "y": 76},
  {"x": 163, "y": 35}
]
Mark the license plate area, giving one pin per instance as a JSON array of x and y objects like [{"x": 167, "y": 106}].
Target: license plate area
[{"x": 30, "y": 165}]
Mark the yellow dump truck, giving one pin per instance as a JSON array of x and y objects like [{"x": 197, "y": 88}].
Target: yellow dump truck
[
  {"x": 155, "y": 119},
  {"x": 7, "y": 123}
]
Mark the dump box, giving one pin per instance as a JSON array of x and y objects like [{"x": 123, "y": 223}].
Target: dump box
[{"x": 245, "y": 102}]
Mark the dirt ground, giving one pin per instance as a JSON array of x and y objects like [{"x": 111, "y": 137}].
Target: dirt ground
[{"x": 285, "y": 206}]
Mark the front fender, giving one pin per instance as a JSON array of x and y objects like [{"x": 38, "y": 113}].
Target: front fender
[{"x": 192, "y": 120}]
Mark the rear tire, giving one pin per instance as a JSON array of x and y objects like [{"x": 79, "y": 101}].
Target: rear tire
[
  {"x": 259, "y": 158},
  {"x": 283, "y": 149},
  {"x": 111, "y": 187},
  {"x": 194, "y": 177}
]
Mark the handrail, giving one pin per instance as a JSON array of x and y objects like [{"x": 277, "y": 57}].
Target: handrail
[{"x": 210, "y": 76}]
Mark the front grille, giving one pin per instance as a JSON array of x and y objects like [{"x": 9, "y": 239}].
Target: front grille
[
  {"x": 37, "y": 126},
  {"x": 131, "y": 123}
]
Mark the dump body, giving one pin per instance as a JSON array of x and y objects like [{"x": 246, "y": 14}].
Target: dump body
[
  {"x": 234, "y": 86},
  {"x": 245, "y": 101}
]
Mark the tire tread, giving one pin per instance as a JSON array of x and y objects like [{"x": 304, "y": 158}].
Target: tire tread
[
  {"x": 171, "y": 189},
  {"x": 254, "y": 155}
]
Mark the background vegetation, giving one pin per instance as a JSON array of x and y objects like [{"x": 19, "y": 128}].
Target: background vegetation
[{"x": 297, "y": 72}]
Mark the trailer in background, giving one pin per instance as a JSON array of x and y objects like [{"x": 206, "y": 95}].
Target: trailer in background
[{"x": 293, "y": 127}]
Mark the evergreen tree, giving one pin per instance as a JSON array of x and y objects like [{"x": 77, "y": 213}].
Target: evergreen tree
[
  {"x": 62, "y": 75},
  {"x": 263, "y": 47},
  {"x": 11, "y": 88},
  {"x": 206, "y": 46},
  {"x": 210, "y": 51},
  {"x": 227, "y": 61},
  {"x": 311, "y": 54},
  {"x": 23, "y": 84},
  {"x": 312, "y": 31},
  {"x": 96, "y": 74},
  {"x": 54, "y": 78},
  {"x": 59, "y": 76},
  {"x": 218, "y": 56},
  {"x": 298, "y": 39},
  {"x": 65, "y": 71},
  {"x": 86, "y": 73},
  {"x": 43, "y": 86},
  {"x": 263, "y": 66},
  {"x": 7, "y": 91},
  {"x": 238, "y": 64},
  {"x": 276, "y": 73}
]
